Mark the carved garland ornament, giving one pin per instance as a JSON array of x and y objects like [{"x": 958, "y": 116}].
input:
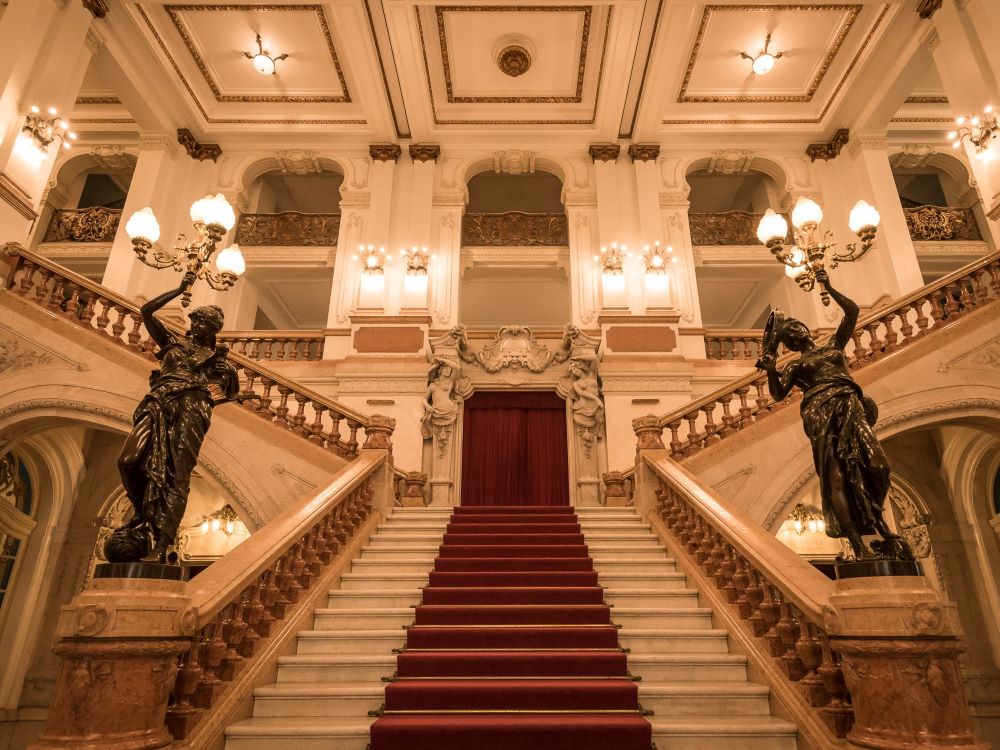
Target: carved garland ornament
[
  {"x": 515, "y": 229},
  {"x": 95, "y": 224},
  {"x": 514, "y": 60},
  {"x": 939, "y": 223}
]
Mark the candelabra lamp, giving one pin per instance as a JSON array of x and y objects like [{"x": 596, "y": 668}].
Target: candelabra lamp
[
  {"x": 810, "y": 253},
  {"x": 612, "y": 259},
  {"x": 657, "y": 258},
  {"x": 372, "y": 259},
  {"x": 979, "y": 130},
  {"x": 417, "y": 260},
  {"x": 212, "y": 217}
]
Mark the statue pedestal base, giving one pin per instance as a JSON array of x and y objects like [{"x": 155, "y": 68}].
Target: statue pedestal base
[
  {"x": 899, "y": 642},
  {"x": 411, "y": 502},
  {"x": 615, "y": 502},
  {"x": 119, "y": 641},
  {"x": 877, "y": 568},
  {"x": 154, "y": 570}
]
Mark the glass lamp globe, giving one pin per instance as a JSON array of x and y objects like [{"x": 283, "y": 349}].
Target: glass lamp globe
[
  {"x": 263, "y": 64},
  {"x": 201, "y": 209},
  {"x": 772, "y": 226},
  {"x": 863, "y": 216},
  {"x": 798, "y": 257},
  {"x": 143, "y": 225},
  {"x": 231, "y": 260},
  {"x": 217, "y": 211},
  {"x": 806, "y": 211},
  {"x": 763, "y": 63}
]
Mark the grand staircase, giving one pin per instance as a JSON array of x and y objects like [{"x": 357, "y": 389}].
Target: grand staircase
[{"x": 328, "y": 694}]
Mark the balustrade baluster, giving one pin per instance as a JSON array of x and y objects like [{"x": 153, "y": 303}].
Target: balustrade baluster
[
  {"x": 253, "y": 610},
  {"x": 268, "y": 344},
  {"x": 875, "y": 345},
  {"x": 770, "y": 608},
  {"x": 73, "y": 302},
  {"x": 333, "y": 441},
  {"x": 233, "y": 629},
  {"x": 134, "y": 336},
  {"x": 675, "y": 440},
  {"x": 182, "y": 714},
  {"x": 103, "y": 319},
  {"x": 906, "y": 329},
  {"x": 951, "y": 294},
  {"x": 755, "y": 593},
  {"x": 212, "y": 650},
  {"x": 860, "y": 353},
  {"x": 265, "y": 399},
  {"x": 315, "y": 429},
  {"x": 295, "y": 566},
  {"x": 741, "y": 579},
  {"x": 788, "y": 632},
  {"x": 118, "y": 328},
  {"x": 710, "y": 348},
  {"x": 42, "y": 286},
  {"x": 710, "y": 426},
  {"x": 763, "y": 400},
  {"x": 922, "y": 321},
  {"x": 838, "y": 713},
  {"x": 745, "y": 410},
  {"x": 994, "y": 269},
  {"x": 298, "y": 421},
  {"x": 268, "y": 596},
  {"x": 693, "y": 444},
  {"x": 281, "y": 411},
  {"x": 889, "y": 343},
  {"x": 728, "y": 568},
  {"x": 307, "y": 554},
  {"x": 728, "y": 420},
  {"x": 352, "y": 441},
  {"x": 965, "y": 298},
  {"x": 27, "y": 278},
  {"x": 284, "y": 581},
  {"x": 55, "y": 299},
  {"x": 725, "y": 569},
  {"x": 811, "y": 655}
]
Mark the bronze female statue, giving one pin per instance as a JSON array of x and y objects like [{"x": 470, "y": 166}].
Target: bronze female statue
[
  {"x": 169, "y": 426},
  {"x": 837, "y": 418}
]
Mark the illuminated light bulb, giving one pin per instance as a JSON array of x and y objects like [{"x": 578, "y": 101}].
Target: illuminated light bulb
[
  {"x": 371, "y": 261},
  {"x": 230, "y": 527},
  {"x": 799, "y": 528},
  {"x": 656, "y": 260},
  {"x": 812, "y": 525},
  {"x": 66, "y": 145},
  {"x": 806, "y": 211},
  {"x": 143, "y": 225},
  {"x": 863, "y": 216},
  {"x": 204, "y": 527},
  {"x": 53, "y": 111},
  {"x": 263, "y": 64},
  {"x": 772, "y": 226},
  {"x": 822, "y": 524},
  {"x": 952, "y": 135},
  {"x": 34, "y": 109},
  {"x": 216, "y": 524},
  {"x": 798, "y": 257},
  {"x": 974, "y": 120},
  {"x": 960, "y": 120},
  {"x": 956, "y": 144},
  {"x": 231, "y": 260},
  {"x": 72, "y": 136},
  {"x": 763, "y": 64}
]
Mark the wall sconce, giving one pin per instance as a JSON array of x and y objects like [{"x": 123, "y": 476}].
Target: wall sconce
[
  {"x": 372, "y": 259},
  {"x": 979, "y": 131},
  {"x": 417, "y": 260},
  {"x": 42, "y": 130},
  {"x": 657, "y": 258},
  {"x": 806, "y": 518},
  {"x": 212, "y": 218},
  {"x": 262, "y": 61},
  {"x": 612, "y": 259},
  {"x": 808, "y": 255},
  {"x": 764, "y": 62},
  {"x": 223, "y": 520}
]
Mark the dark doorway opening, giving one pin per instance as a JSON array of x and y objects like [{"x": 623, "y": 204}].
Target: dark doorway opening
[{"x": 514, "y": 449}]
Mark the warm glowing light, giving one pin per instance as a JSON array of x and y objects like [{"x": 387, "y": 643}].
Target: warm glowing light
[
  {"x": 231, "y": 260},
  {"x": 763, "y": 64},
  {"x": 213, "y": 211},
  {"x": 143, "y": 225},
  {"x": 415, "y": 284},
  {"x": 863, "y": 216},
  {"x": 216, "y": 524},
  {"x": 772, "y": 226},
  {"x": 204, "y": 527},
  {"x": 263, "y": 65},
  {"x": 797, "y": 257},
  {"x": 806, "y": 211},
  {"x": 53, "y": 111}
]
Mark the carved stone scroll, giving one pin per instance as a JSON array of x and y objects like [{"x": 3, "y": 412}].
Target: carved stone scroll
[
  {"x": 196, "y": 150},
  {"x": 831, "y": 149}
]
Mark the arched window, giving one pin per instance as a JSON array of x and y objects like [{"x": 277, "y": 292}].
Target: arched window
[
  {"x": 16, "y": 522},
  {"x": 996, "y": 493}
]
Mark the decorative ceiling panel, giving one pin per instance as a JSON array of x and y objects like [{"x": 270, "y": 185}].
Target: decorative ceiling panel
[
  {"x": 809, "y": 36},
  {"x": 216, "y": 35}
]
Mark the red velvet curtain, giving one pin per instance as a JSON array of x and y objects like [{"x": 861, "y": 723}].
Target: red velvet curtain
[{"x": 514, "y": 449}]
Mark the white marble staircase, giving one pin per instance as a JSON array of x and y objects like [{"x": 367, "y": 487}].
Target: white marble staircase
[{"x": 698, "y": 691}]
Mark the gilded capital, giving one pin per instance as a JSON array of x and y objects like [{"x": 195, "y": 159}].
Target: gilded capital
[
  {"x": 604, "y": 151},
  {"x": 644, "y": 151},
  {"x": 384, "y": 151},
  {"x": 424, "y": 151}
]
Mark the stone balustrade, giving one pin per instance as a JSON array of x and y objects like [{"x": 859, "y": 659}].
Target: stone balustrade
[
  {"x": 277, "y": 346},
  {"x": 733, "y": 344},
  {"x": 96, "y": 224},
  {"x": 515, "y": 229}
]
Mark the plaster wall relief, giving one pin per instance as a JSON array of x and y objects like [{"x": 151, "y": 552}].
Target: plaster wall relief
[
  {"x": 446, "y": 223},
  {"x": 513, "y": 359},
  {"x": 581, "y": 212}
]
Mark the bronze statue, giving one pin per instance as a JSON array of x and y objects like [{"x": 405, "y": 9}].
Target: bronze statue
[
  {"x": 837, "y": 418},
  {"x": 169, "y": 426}
]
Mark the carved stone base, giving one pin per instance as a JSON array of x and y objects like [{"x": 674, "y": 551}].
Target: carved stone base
[
  {"x": 111, "y": 695},
  {"x": 411, "y": 502},
  {"x": 899, "y": 642},
  {"x": 615, "y": 502}
]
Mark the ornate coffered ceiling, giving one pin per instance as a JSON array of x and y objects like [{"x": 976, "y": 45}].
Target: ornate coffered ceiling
[{"x": 378, "y": 71}]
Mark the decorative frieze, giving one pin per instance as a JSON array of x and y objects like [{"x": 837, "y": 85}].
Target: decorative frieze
[
  {"x": 604, "y": 151},
  {"x": 831, "y": 149},
  {"x": 297, "y": 161},
  {"x": 730, "y": 161},
  {"x": 196, "y": 150},
  {"x": 384, "y": 151},
  {"x": 424, "y": 151},
  {"x": 514, "y": 162},
  {"x": 96, "y": 224},
  {"x": 644, "y": 151},
  {"x": 290, "y": 228},
  {"x": 515, "y": 229}
]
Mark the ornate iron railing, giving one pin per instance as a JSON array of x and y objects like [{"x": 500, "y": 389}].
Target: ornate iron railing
[
  {"x": 746, "y": 400},
  {"x": 771, "y": 599},
  {"x": 941, "y": 223},
  {"x": 726, "y": 228},
  {"x": 264, "y": 392},
  {"x": 290, "y": 228},
  {"x": 515, "y": 229},
  {"x": 97, "y": 224},
  {"x": 276, "y": 345}
]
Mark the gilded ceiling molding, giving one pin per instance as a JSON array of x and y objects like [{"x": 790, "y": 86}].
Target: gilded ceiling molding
[
  {"x": 586, "y": 10},
  {"x": 424, "y": 151},
  {"x": 100, "y": 7},
  {"x": 927, "y": 8},
  {"x": 384, "y": 151},
  {"x": 926, "y": 100},
  {"x": 641, "y": 151},
  {"x": 199, "y": 151},
  {"x": 604, "y": 151},
  {"x": 852, "y": 11},
  {"x": 97, "y": 100},
  {"x": 831, "y": 149},
  {"x": 174, "y": 10}
]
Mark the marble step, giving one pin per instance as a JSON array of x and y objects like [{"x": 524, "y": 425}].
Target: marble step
[
  {"x": 629, "y": 597},
  {"x": 673, "y": 640},
  {"x": 669, "y": 699},
  {"x": 361, "y": 599},
  {"x": 336, "y": 668},
  {"x": 688, "y": 667},
  {"x": 350, "y": 641},
  {"x": 367, "y": 618},
  {"x": 354, "y": 581},
  {"x": 658, "y": 580},
  {"x": 290, "y": 699},
  {"x": 662, "y": 617},
  {"x": 616, "y": 565}
]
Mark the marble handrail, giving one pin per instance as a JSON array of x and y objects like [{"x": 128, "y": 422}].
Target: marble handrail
[
  {"x": 777, "y": 597},
  {"x": 263, "y": 391},
  {"x": 695, "y": 426}
]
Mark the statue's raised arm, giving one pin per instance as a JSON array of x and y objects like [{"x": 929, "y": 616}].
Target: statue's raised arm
[{"x": 846, "y": 328}]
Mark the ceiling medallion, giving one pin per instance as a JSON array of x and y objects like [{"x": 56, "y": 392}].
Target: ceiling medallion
[{"x": 514, "y": 60}]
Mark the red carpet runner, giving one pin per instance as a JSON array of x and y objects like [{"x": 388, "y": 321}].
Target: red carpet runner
[{"x": 512, "y": 647}]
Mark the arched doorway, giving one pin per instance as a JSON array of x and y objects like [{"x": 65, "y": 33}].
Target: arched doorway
[{"x": 514, "y": 449}]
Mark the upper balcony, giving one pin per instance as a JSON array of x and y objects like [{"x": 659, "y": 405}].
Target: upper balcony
[{"x": 288, "y": 229}]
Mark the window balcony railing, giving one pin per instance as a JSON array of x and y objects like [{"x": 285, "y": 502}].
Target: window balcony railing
[
  {"x": 942, "y": 224},
  {"x": 515, "y": 229},
  {"x": 726, "y": 228},
  {"x": 96, "y": 224},
  {"x": 289, "y": 228}
]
